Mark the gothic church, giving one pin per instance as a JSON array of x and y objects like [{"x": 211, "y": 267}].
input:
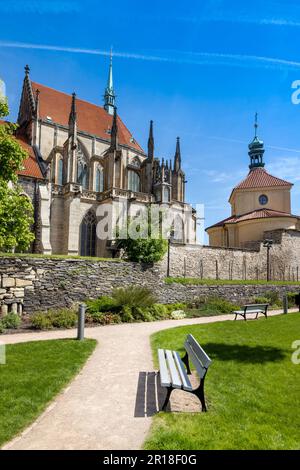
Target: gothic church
[{"x": 82, "y": 155}]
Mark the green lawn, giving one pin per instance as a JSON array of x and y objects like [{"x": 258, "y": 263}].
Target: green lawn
[
  {"x": 195, "y": 281},
  {"x": 252, "y": 388},
  {"x": 93, "y": 259},
  {"x": 34, "y": 373}
]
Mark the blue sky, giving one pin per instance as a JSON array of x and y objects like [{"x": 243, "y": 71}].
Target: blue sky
[{"x": 199, "y": 69}]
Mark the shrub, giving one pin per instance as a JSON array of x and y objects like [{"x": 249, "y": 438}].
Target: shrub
[
  {"x": 102, "y": 304},
  {"x": 218, "y": 305},
  {"x": 160, "y": 311},
  {"x": 178, "y": 315},
  {"x": 133, "y": 296},
  {"x": 1, "y": 327},
  {"x": 110, "y": 318},
  {"x": 126, "y": 315},
  {"x": 291, "y": 299},
  {"x": 176, "y": 306},
  {"x": 261, "y": 300},
  {"x": 10, "y": 321},
  {"x": 64, "y": 318},
  {"x": 41, "y": 321},
  {"x": 273, "y": 298}
]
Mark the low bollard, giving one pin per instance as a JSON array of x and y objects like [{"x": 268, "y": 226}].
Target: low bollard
[
  {"x": 81, "y": 321},
  {"x": 285, "y": 304}
]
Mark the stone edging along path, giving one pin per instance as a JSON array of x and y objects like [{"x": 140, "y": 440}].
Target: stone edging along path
[{"x": 97, "y": 410}]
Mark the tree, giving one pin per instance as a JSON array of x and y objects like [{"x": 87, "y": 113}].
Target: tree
[
  {"x": 16, "y": 210},
  {"x": 146, "y": 248}
]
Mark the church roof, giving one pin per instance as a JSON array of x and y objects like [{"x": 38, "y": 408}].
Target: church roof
[
  {"x": 258, "y": 178},
  {"x": 31, "y": 167},
  {"x": 91, "y": 118},
  {"x": 256, "y": 214}
]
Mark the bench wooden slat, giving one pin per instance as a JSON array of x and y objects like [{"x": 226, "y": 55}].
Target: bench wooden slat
[
  {"x": 165, "y": 379},
  {"x": 186, "y": 384},
  {"x": 176, "y": 381},
  {"x": 200, "y": 353},
  {"x": 192, "y": 356}
]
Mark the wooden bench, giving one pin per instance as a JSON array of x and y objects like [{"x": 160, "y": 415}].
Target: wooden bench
[
  {"x": 252, "y": 308},
  {"x": 174, "y": 371}
]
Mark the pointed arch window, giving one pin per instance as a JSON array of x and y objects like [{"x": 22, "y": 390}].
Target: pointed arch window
[
  {"x": 82, "y": 169},
  {"x": 88, "y": 234},
  {"x": 134, "y": 183},
  {"x": 60, "y": 170},
  {"x": 99, "y": 179}
]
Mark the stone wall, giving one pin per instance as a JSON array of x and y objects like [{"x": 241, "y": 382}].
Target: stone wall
[
  {"x": 209, "y": 262},
  {"x": 37, "y": 284}
]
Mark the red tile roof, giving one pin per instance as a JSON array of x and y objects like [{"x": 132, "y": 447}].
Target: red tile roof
[
  {"x": 256, "y": 214},
  {"x": 30, "y": 165},
  {"x": 259, "y": 178},
  {"x": 91, "y": 118}
]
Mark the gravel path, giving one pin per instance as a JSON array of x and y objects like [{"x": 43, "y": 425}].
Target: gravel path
[{"x": 101, "y": 408}]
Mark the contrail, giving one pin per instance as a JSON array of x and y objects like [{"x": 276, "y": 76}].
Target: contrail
[
  {"x": 236, "y": 141},
  {"x": 196, "y": 58}
]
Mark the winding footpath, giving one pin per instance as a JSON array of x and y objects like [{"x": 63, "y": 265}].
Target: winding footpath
[{"x": 98, "y": 408}]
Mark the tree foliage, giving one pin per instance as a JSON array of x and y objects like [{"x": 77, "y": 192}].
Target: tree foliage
[
  {"x": 12, "y": 154},
  {"x": 146, "y": 248},
  {"x": 16, "y": 210}
]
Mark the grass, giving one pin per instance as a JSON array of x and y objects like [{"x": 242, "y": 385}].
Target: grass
[
  {"x": 252, "y": 388},
  {"x": 33, "y": 375},
  {"x": 197, "y": 281},
  {"x": 66, "y": 257}
]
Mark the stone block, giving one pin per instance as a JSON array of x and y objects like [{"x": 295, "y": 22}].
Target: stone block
[
  {"x": 14, "y": 308},
  {"x": 23, "y": 282},
  {"x": 4, "y": 310},
  {"x": 8, "y": 281}
]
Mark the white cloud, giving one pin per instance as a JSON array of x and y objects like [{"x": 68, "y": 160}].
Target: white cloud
[{"x": 188, "y": 57}]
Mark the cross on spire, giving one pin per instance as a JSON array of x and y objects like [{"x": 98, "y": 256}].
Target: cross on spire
[{"x": 255, "y": 124}]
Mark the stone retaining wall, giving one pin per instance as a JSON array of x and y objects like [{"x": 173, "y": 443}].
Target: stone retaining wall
[{"x": 37, "y": 284}]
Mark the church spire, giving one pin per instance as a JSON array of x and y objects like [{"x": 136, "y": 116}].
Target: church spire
[
  {"x": 177, "y": 159},
  {"x": 109, "y": 95},
  {"x": 151, "y": 142},
  {"x": 114, "y": 132},
  {"x": 256, "y": 149},
  {"x": 73, "y": 117}
]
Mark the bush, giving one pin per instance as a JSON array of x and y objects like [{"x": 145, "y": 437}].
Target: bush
[
  {"x": 291, "y": 299},
  {"x": 178, "y": 315},
  {"x": 10, "y": 321},
  {"x": 133, "y": 296},
  {"x": 176, "y": 306},
  {"x": 1, "y": 327},
  {"x": 41, "y": 321},
  {"x": 217, "y": 304},
  {"x": 261, "y": 300},
  {"x": 102, "y": 304},
  {"x": 273, "y": 298},
  {"x": 64, "y": 318}
]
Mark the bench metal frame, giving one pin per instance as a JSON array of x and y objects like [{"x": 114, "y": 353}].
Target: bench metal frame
[
  {"x": 260, "y": 308},
  {"x": 201, "y": 367}
]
